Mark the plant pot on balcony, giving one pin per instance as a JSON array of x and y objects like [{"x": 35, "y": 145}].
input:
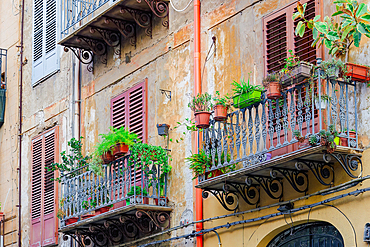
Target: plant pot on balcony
[
  {"x": 247, "y": 99},
  {"x": 303, "y": 143},
  {"x": 71, "y": 220},
  {"x": 162, "y": 197},
  {"x": 343, "y": 141},
  {"x": 273, "y": 90},
  {"x": 213, "y": 174},
  {"x": 297, "y": 74},
  {"x": 107, "y": 157},
  {"x": 163, "y": 129},
  {"x": 220, "y": 112},
  {"x": 102, "y": 210},
  {"x": 120, "y": 150},
  {"x": 352, "y": 134},
  {"x": 321, "y": 104},
  {"x": 86, "y": 216},
  {"x": 138, "y": 200},
  {"x": 358, "y": 72},
  {"x": 202, "y": 119}
]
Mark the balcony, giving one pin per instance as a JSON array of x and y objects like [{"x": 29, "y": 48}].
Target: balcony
[
  {"x": 89, "y": 27},
  {"x": 3, "y": 80},
  {"x": 259, "y": 140},
  {"x": 126, "y": 201}
]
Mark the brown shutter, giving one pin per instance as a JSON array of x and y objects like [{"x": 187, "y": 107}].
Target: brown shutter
[
  {"x": 275, "y": 42},
  {"x": 44, "y": 191},
  {"x": 302, "y": 46},
  {"x": 118, "y": 111}
]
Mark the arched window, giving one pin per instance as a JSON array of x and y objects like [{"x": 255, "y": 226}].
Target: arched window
[{"x": 314, "y": 234}]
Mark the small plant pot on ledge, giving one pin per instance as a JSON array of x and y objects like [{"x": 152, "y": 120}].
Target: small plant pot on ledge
[
  {"x": 102, "y": 210},
  {"x": 163, "y": 129},
  {"x": 162, "y": 197},
  {"x": 358, "y": 72},
  {"x": 138, "y": 200},
  {"x": 71, "y": 220},
  {"x": 220, "y": 112},
  {"x": 297, "y": 75},
  {"x": 202, "y": 119},
  {"x": 120, "y": 150},
  {"x": 86, "y": 216},
  {"x": 213, "y": 174},
  {"x": 321, "y": 104},
  {"x": 273, "y": 90}
]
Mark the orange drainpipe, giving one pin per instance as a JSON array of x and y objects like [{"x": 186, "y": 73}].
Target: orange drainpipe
[{"x": 197, "y": 89}]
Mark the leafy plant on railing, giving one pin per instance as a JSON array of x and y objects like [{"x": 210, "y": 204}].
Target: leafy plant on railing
[
  {"x": 336, "y": 36},
  {"x": 313, "y": 140},
  {"x": 291, "y": 62},
  {"x": 200, "y": 162},
  {"x": 328, "y": 138},
  {"x": 221, "y": 100},
  {"x": 271, "y": 77},
  {"x": 298, "y": 135},
  {"x": 243, "y": 87},
  {"x": 334, "y": 68},
  {"x": 136, "y": 190},
  {"x": 72, "y": 161},
  {"x": 201, "y": 103}
]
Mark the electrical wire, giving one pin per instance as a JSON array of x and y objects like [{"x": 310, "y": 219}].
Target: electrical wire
[{"x": 180, "y": 10}]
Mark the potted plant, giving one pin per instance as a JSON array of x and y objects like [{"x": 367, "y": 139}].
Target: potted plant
[
  {"x": 221, "y": 106},
  {"x": 272, "y": 83},
  {"x": 313, "y": 140},
  {"x": 339, "y": 36},
  {"x": 294, "y": 71},
  {"x": 61, "y": 214},
  {"x": 303, "y": 141},
  {"x": 200, "y": 162},
  {"x": 246, "y": 94},
  {"x": 163, "y": 129},
  {"x": 201, "y": 105},
  {"x": 329, "y": 138},
  {"x": 333, "y": 69},
  {"x": 136, "y": 190},
  {"x": 325, "y": 99}
]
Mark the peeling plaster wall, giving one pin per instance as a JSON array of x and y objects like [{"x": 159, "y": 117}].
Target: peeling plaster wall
[{"x": 166, "y": 61}]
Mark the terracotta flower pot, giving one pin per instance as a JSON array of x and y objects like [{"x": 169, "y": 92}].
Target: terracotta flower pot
[
  {"x": 343, "y": 141},
  {"x": 220, "y": 112},
  {"x": 71, "y": 220},
  {"x": 214, "y": 173},
  {"x": 352, "y": 134},
  {"x": 107, "y": 157},
  {"x": 358, "y": 72},
  {"x": 303, "y": 144},
  {"x": 102, "y": 210},
  {"x": 86, "y": 216},
  {"x": 156, "y": 200},
  {"x": 202, "y": 119},
  {"x": 120, "y": 150},
  {"x": 274, "y": 90}
]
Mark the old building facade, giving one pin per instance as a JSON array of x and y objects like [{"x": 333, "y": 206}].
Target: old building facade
[{"x": 88, "y": 65}]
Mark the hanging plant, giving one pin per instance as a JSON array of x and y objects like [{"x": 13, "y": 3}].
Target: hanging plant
[
  {"x": 201, "y": 105},
  {"x": 246, "y": 94},
  {"x": 222, "y": 104}
]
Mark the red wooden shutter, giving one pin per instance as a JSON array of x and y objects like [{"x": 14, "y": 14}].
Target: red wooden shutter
[
  {"x": 44, "y": 191},
  {"x": 303, "y": 46},
  {"x": 118, "y": 111},
  {"x": 36, "y": 179},
  {"x": 276, "y": 42}
]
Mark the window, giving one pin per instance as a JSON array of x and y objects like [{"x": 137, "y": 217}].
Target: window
[
  {"x": 44, "y": 224},
  {"x": 44, "y": 44},
  {"x": 129, "y": 110},
  {"x": 280, "y": 38}
]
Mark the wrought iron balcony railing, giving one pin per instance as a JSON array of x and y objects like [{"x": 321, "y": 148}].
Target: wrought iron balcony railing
[
  {"x": 254, "y": 134},
  {"x": 83, "y": 191}
]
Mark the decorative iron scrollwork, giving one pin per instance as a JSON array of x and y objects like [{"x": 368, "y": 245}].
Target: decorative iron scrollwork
[
  {"x": 127, "y": 29},
  {"x": 111, "y": 38},
  {"x": 228, "y": 200},
  {"x": 142, "y": 18},
  {"x": 97, "y": 47},
  {"x": 84, "y": 56},
  {"x": 272, "y": 186},
  {"x": 250, "y": 194},
  {"x": 113, "y": 231},
  {"x": 159, "y": 9},
  {"x": 323, "y": 172},
  {"x": 349, "y": 162},
  {"x": 297, "y": 179}
]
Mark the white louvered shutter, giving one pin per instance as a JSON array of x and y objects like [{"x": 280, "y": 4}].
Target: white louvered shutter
[{"x": 45, "y": 56}]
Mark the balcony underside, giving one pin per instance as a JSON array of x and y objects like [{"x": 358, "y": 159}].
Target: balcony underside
[
  {"x": 119, "y": 22},
  {"x": 246, "y": 183},
  {"x": 119, "y": 225}
]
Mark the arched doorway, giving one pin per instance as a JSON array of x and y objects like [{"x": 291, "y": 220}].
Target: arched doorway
[{"x": 316, "y": 234}]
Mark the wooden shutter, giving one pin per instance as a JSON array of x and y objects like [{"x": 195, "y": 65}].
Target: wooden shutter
[
  {"x": 44, "y": 191},
  {"x": 279, "y": 37},
  {"x": 45, "y": 58},
  {"x": 129, "y": 110}
]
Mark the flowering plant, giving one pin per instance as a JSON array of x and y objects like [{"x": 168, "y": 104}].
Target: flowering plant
[{"x": 90, "y": 203}]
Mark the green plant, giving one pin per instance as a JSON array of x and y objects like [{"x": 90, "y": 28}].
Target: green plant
[
  {"x": 90, "y": 203},
  {"x": 330, "y": 67},
  {"x": 313, "y": 140},
  {"x": 328, "y": 136},
  {"x": 136, "y": 190},
  {"x": 290, "y": 62},
  {"x": 200, "y": 162},
  {"x": 72, "y": 161},
  {"x": 336, "y": 36},
  {"x": 201, "y": 103},
  {"x": 243, "y": 88},
  {"x": 272, "y": 77},
  {"x": 113, "y": 137},
  {"x": 298, "y": 135},
  {"x": 224, "y": 101}
]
